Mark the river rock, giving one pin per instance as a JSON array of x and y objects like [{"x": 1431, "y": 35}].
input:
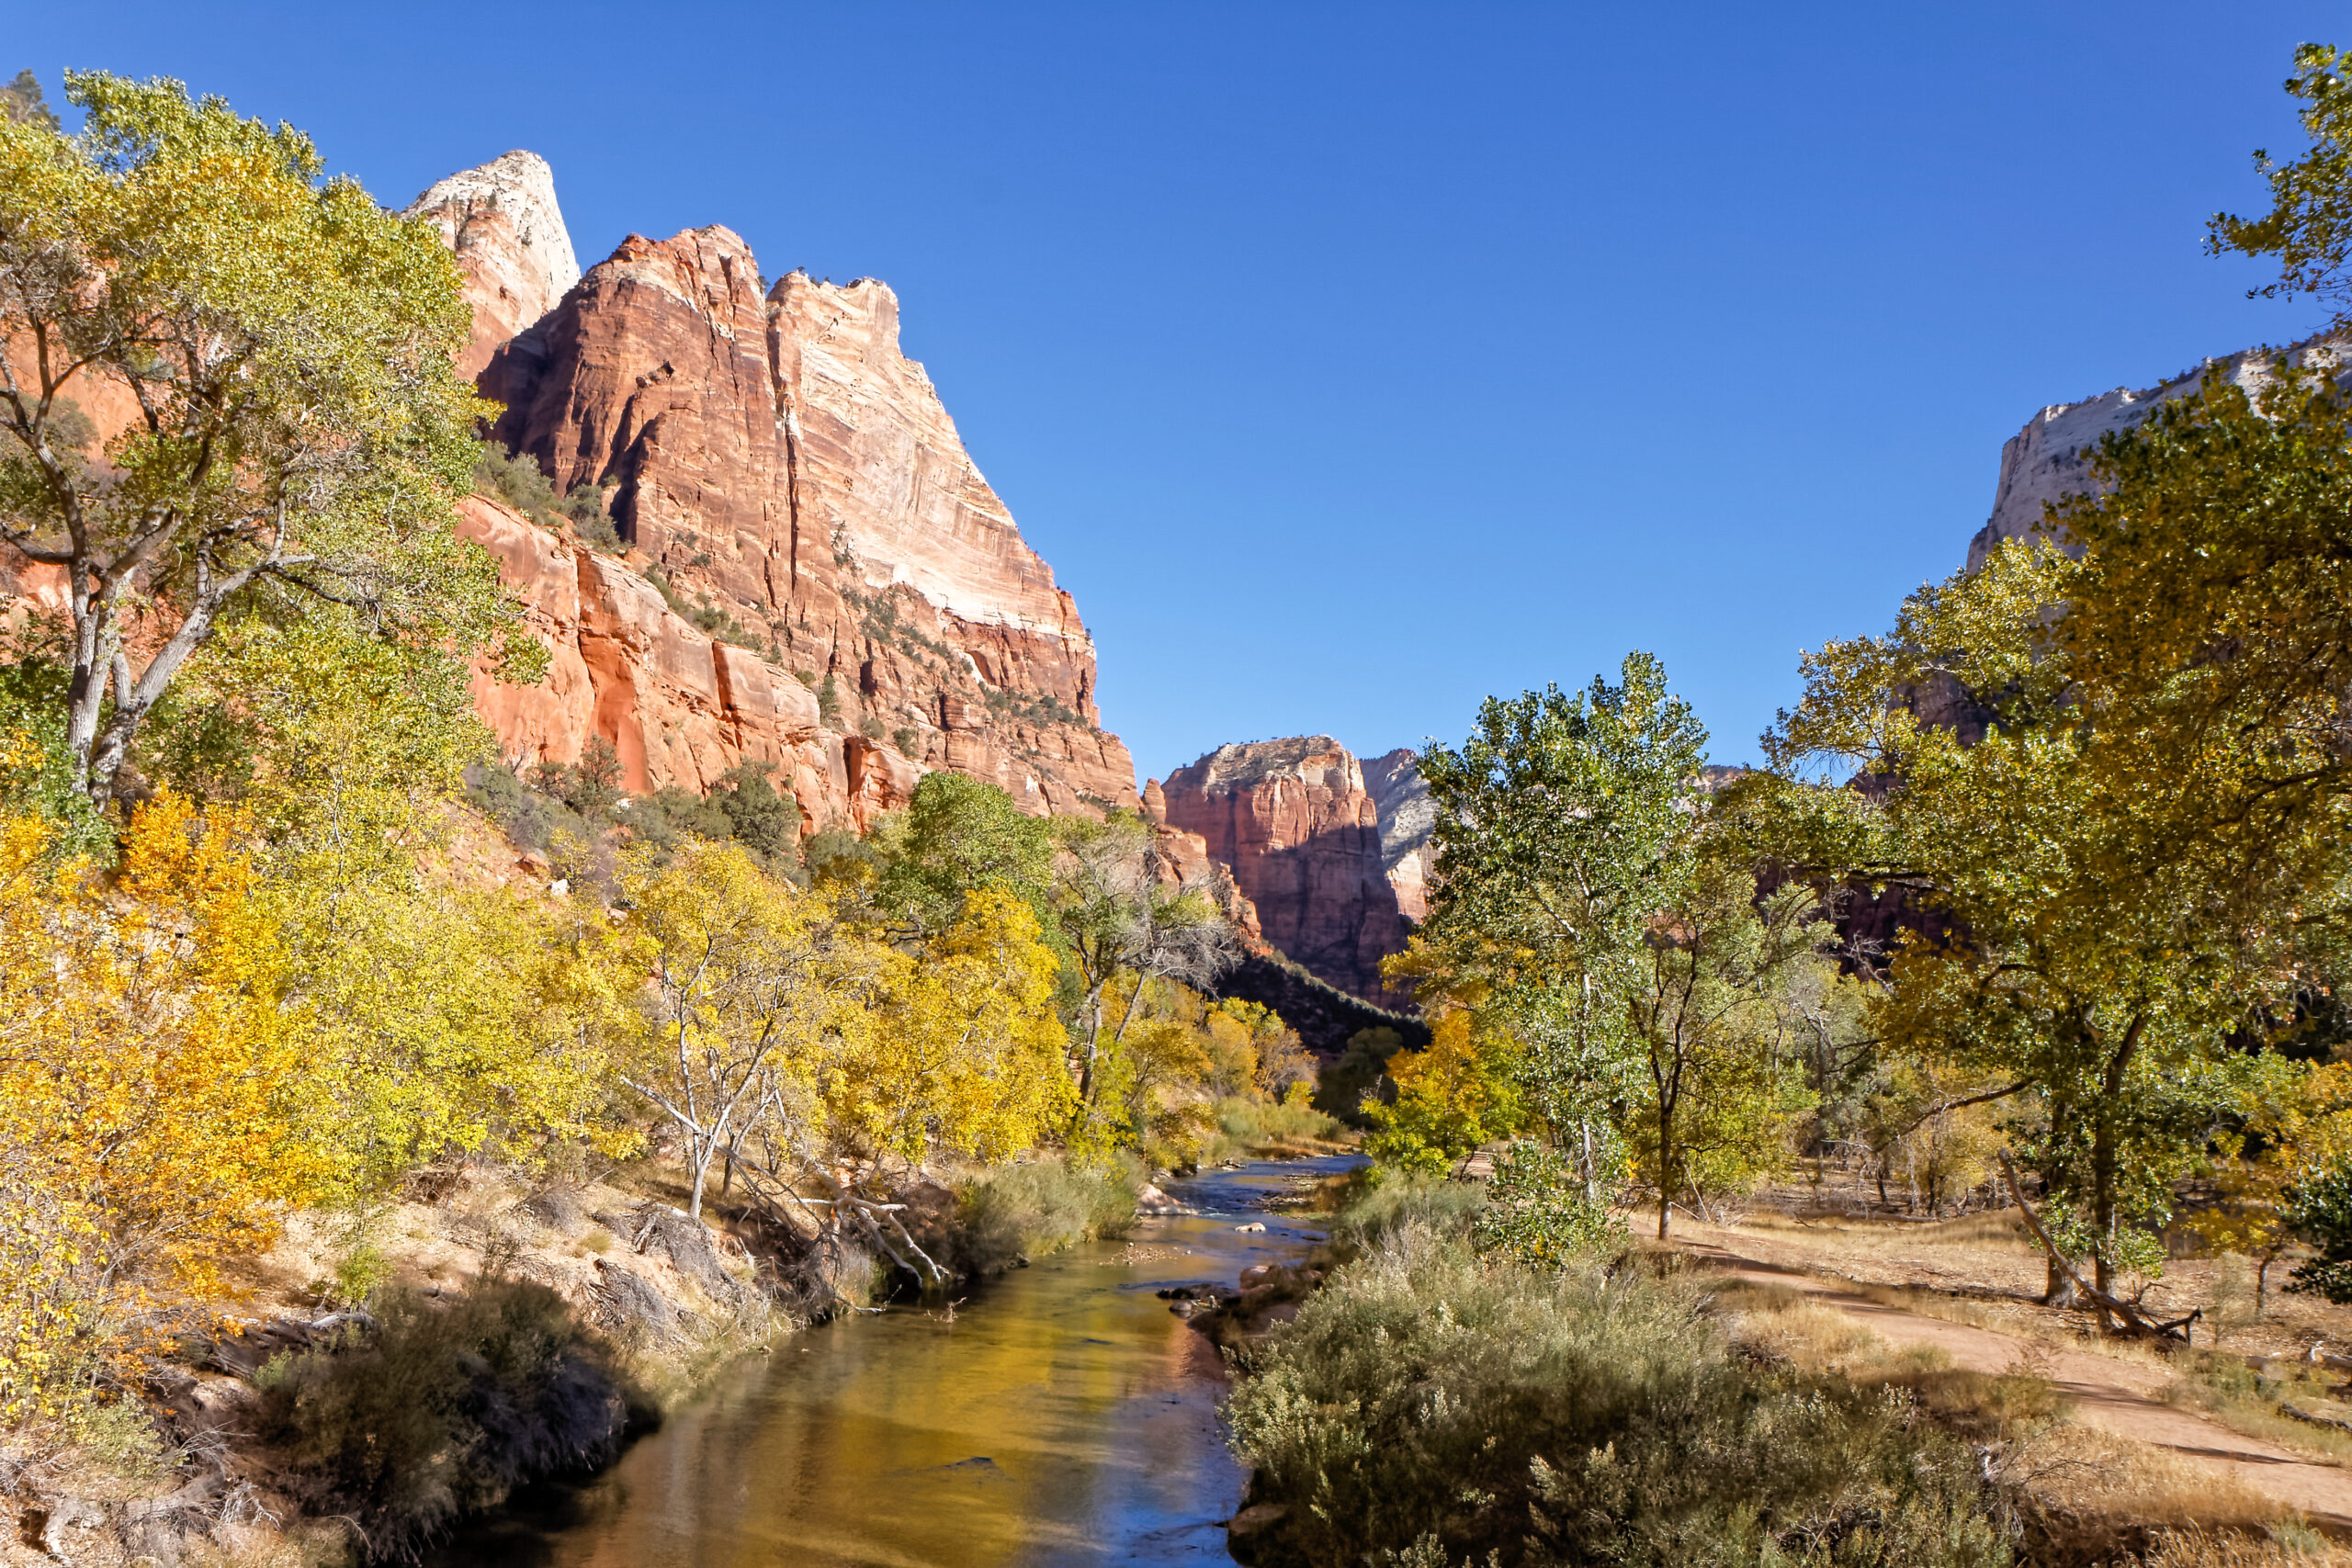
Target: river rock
[
  {"x": 1245, "y": 1531},
  {"x": 1151, "y": 1201}
]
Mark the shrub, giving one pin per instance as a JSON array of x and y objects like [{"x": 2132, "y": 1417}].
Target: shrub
[
  {"x": 1358, "y": 1072},
  {"x": 2319, "y": 1209},
  {"x": 1255, "y": 1123},
  {"x": 1427, "y": 1408},
  {"x": 516, "y": 480},
  {"x": 1031, "y": 1209},
  {"x": 590, "y": 521},
  {"x": 443, "y": 1409},
  {"x": 1374, "y": 1211}
]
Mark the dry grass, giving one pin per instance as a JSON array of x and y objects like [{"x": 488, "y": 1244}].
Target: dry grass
[
  {"x": 2092, "y": 1496},
  {"x": 1788, "y": 1325},
  {"x": 2227, "y": 1389},
  {"x": 2289, "y": 1546},
  {"x": 1985, "y": 1258},
  {"x": 2078, "y": 1475}
]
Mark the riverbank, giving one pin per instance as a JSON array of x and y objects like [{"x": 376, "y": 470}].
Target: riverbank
[
  {"x": 1049, "y": 1416},
  {"x": 364, "y": 1387},
  {"x": 1444, "y": 1407}
]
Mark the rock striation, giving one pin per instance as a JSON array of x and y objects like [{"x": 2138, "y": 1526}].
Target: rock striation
[
  {"x": 816, "y": 573},
  {"x": 1332, "y": 854}
]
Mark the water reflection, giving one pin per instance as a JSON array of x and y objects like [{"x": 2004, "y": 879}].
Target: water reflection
[{"x": 1062, "y": 1416}]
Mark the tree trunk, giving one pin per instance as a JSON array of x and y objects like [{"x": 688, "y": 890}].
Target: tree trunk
[
  {"x": 2060, "y": 1290},
  {"x": 1665, "y": 1165}
]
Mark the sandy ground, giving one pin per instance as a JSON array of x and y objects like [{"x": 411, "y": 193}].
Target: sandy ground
[{"x": 2112, "y": 1392}]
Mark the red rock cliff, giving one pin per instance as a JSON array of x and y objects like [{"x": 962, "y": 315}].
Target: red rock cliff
[
  {"x": 1336, "y": 883},
  {"x": 777, "y": 462}
]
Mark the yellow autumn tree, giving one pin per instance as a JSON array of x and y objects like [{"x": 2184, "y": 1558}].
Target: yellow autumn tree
[
  {"x": 969, "y": 1054},
  {"x": 147, "y": 1067},
  {"x": 1457, "y": 1092}
]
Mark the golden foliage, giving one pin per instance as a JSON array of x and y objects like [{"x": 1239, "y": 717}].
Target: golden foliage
[{"x": 145, "y": 1063}]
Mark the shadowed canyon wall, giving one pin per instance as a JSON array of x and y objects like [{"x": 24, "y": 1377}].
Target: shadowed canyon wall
[{"x": 1332, "y": 854}]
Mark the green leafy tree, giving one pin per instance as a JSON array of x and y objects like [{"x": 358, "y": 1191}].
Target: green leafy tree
[
  {"x": 1564, "y": 826},
  {"x": 1720, "y": 1062},
  {"x": 2309, "y": 227},
  {"x": 1124, "y": 925},
  {"x": 2319, "y": 1209},
  {"x": 959, "y": 834},
  {"x": 300, "y": 436},
  {"x": 2084, "y": 958}
]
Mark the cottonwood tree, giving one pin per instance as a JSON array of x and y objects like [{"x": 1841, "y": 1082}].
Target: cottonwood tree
[
  {"x": 1118, "y": 915},
  {"x": 2087, "y": 960},
  {"x": 1564, "y": 827},
  {"x": 745, "y": 971},
  {"x": 266, "y": 354},
  {"x": 1718, "y": 1032}
]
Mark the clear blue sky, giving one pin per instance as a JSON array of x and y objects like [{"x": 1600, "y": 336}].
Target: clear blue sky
[{"x": 1352, "y": 361}]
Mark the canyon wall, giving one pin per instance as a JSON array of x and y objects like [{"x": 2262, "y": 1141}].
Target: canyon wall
[
  {"x": 2045, "y": 460},
  {"x": 815, "y": 573},
  {"x": 1332, "y": 854}
]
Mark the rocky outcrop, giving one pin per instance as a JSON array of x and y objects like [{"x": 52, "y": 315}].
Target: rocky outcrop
[
  {"x": 785, "y": 476},
  {"x": 1336, "y": 883},
  {"x": 2047, "y": 460},
  {"x": 1408, "y": 819},
  {"x": 678, "y": 705},
  {"x": 502, "y": 221}
]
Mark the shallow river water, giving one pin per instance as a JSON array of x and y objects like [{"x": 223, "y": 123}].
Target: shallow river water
[{"x": 1063, "y": 1416}]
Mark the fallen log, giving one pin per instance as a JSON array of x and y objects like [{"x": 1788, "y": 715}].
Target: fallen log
[{"x": 2126, "y": 1312}]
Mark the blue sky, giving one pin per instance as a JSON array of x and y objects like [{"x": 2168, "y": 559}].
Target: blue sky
[{"x": 1352, "y": 362}]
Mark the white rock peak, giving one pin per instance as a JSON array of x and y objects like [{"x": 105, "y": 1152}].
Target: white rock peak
[{"x": 519, "y": 188}]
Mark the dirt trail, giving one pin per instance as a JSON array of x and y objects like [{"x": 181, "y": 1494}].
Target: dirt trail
[{"x": 2112, "y": 1395}]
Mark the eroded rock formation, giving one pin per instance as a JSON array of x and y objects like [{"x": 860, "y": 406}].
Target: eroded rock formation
[
  {"x": 1332, "y": 854},
  {"x": 502, "y": 221},
  {"x": 802, "y": 524}
]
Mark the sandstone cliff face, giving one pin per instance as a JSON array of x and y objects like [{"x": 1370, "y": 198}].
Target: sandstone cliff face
[
  {"x": 771, "y": 457},
  {"x": 2044, "y": 461},
  {"x": 502, "y": 221},
  {"x": 1337, "y": 884}
]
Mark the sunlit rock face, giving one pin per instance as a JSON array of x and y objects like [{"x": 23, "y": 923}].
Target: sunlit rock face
[
  {"x": 1332, "y": 854},
  {"x": 793, "y": 479},
  {"x": 2048, "y": 459},
  {"x": 503, "y": 222}
]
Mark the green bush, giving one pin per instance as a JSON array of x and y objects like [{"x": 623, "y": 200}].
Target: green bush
[
  {"x": 1342, "y": 1085},
  {"x": 1031, "y": 1209},
  {"x": 1429, "y": 1408},
  {"x": 590, "y": 521},
  {"x": 1376, "y": 1205},
  {"x": 1254, "y": 1122},
  {"x": 2319, "y": 1210},
  {"x": 516, "y": 480},
  {"x": 442, "y": 1410}
]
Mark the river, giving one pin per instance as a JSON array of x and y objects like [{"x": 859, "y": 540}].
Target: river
[{"x": 1062, "y": 1415}]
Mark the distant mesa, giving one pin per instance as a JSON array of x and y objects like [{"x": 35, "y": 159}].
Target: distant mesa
[{"x": 2045, "y": 460}]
